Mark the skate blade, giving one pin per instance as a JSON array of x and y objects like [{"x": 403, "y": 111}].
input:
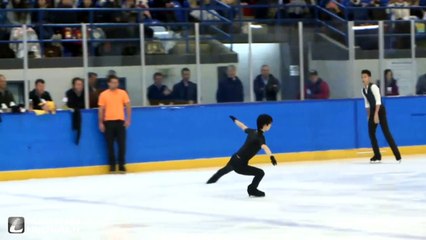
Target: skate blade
[
  {"x": 253, "y": 196},
  {"x": 375, "y": 162}
]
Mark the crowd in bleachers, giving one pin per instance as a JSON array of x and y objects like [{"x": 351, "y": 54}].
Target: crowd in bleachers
[
  {"x": 376, "y": 9},
  {"x": 169, "y": 12}
]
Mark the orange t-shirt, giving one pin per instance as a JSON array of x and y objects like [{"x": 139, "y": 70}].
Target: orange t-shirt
[{"x": 114, "y": 102}]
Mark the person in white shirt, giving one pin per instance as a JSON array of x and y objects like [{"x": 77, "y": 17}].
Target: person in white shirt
[{"x": 376, "y": 113}]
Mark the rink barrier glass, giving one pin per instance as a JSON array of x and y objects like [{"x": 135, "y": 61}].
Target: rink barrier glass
[{"x": 191, "y": 133}]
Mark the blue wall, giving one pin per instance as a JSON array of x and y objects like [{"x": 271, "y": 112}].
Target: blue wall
[{"x": 172, "y": 133}]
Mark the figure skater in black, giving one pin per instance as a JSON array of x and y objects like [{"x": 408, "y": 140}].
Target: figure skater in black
[
  {"x": 376, "y": 113},
  {"x": 239, "y": 161}
]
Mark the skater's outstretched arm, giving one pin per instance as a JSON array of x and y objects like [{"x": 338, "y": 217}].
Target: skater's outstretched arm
[
  {"x": 238, "y": 123},
  {"x": 269, "y": 153}
]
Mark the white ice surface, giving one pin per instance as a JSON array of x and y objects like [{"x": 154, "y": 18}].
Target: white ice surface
[{"x": 341, "y": 200}]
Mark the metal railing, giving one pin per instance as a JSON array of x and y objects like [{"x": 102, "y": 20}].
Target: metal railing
[
  {"x": 337, "y": 23},
  {"x": 219, "y": 22}
]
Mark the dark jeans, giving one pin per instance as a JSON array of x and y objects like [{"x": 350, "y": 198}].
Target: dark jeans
[
  {"x": 385, "y": 128},
  {"x": 235, "y": 165},
  {"x": 116, "y": 131}
]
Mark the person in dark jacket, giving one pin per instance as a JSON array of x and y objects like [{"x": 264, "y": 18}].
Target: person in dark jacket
[
  {"x": 185, "y": 92},
  {"x": 94, "y": 90},
  {"x": 39, "y": 96},
  {"x": 231, "y": 88},
  {"x": 391, "y": 87},
  {"x": 75, "y": 95},
  {"x": 266, "y": 86},
  {"x": 157, "y": 92},
  {"x": 317, "y": 88},
  {"x": 6, "y": 97},
  {"x": 421, "y": 85},
  {"x": 75, "y": 100}
]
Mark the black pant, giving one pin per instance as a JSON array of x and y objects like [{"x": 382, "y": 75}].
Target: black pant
[
  {"x": 385, "y": 128},
  {"x": 235, "y": 165},
  {"x": 116, "y": 131}
]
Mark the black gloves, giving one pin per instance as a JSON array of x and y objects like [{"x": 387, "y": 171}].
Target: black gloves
[
  {"x": 233, "y": 118},
  {"x": 273, "y": 160}
]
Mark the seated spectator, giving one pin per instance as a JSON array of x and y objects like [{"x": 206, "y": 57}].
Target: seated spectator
[
  {"x": 61, "y": 17},
  {"x": 137, "y": 16},
  {"x": 84, "y": 16},
  {"x": 317, "y": 88},
  {"x": 65, "y": 16},
  {"x": 296, "y": 8},
  {"x": 182, "y": 9},
  {"x": 39, "y": 96},
  {"x": 109, "y": 16},
  {"x": 185, "y": 92},
  {"x": 42, "y": 17},
  {"x": 332, "y": 7},
  {"x": 75, "y": 96},
  {"x": 261, "y": 10},
  {"x": 421, "y": 85},
  {"x": 391, "y": 88},
  {"x": 361, "y": 13},
  {"x": 266, "y": 86},
  {"x": 399, "y": 13},
  {"x": 231, "y": 88},
  {"x": 6, "y": 97},
  {"x": 158, "y": 94},
  {"x": 19, "y": 17},
  {"x": 94, "y": 91},
  {"x": 163, "y": 15}
]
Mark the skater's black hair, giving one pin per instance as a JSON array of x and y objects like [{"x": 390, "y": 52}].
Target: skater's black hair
[
  {"x": 262, "y": 120},
  {"x": 365, "y": 71}
]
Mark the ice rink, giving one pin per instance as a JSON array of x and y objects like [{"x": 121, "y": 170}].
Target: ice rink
[{"x": 348, "y": 199}]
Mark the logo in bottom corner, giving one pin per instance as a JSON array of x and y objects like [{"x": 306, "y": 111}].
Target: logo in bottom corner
[{"x": 16, "y": 225}]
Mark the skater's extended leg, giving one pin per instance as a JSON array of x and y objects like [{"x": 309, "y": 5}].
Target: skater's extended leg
[{"x": 225, "y": 170}]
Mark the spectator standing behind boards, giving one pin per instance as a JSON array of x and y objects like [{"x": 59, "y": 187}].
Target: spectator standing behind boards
[
  {"x": 93, "y": 90},
  {"x": 6, "y": 97},
  {"x": 391, "y": 88},
  {"x": 316, "y": 88},
  {"x": 421, "y": 85},
  {"x": 75, "y": 99},
  {"x": 185, "y": 92},
  {"x": 113, "y": 122},
  {"x": 231, "y": 88},
  {"x": 158, "y": 93},
  {"x": 75, "y": 95},
  {"x": 266, "y": 86},
  {"x": 39, "y": 96}
]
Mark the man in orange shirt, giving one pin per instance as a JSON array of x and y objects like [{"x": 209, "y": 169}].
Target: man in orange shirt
[{"x": 112, "y": 121}]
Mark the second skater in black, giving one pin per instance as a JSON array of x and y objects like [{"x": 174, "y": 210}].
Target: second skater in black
[
  {"x": 239, "y": 161},
  {"x": 376, "y": 113}
]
